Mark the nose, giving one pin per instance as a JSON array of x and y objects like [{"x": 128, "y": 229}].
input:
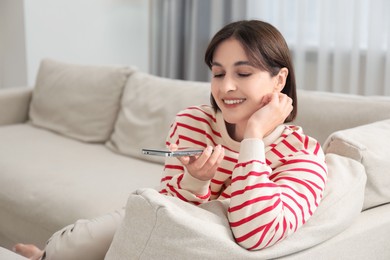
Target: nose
[{"x": 228, "y": 84}]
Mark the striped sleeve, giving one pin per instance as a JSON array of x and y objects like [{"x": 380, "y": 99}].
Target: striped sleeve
[
  {"x": 268, "y": 204},
  {"x": 191, "y": 128}
]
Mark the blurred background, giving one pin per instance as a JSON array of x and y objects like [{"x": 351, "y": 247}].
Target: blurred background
[{"x": 337, "y": 45}]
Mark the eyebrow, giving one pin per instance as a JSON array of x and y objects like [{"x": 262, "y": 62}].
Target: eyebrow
[{"x": 238, "y": 63}]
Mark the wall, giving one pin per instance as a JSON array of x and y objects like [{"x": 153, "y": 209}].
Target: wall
[
  {"x": 85, "y": 32},
  {"x": 13, "y": 70}
]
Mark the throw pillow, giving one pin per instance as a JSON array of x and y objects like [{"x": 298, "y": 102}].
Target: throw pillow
[
  {"x": 78, "y": 101},
  {"x": 370, "y": 145},
  {"x": 156, "y": 226},
  {"x": 149, "y": 106}
]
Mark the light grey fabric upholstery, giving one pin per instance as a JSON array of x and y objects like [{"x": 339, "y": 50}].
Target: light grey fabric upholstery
[
  {"x": 150, "y": 104},
  {"x": 14, "y": 105},
  {"x": 78, "y": 101},
  {"x": 161, "y": 227},
  {"x": 369, "y": 145},
  {"x": 321, "y": 113},
  {"x": 6, "y": 254},
  {"x": 49, "y": 181}
]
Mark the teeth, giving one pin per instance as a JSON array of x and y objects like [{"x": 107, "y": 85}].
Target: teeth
[{"x": 235, "y": 101}]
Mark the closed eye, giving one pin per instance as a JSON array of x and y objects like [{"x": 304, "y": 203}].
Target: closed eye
[
  {"x": 218, "y": 75},
  {"x": 244, "y": 74}
]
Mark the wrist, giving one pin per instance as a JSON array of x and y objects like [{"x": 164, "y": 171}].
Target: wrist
[
  {"x": 194, "y": 185},
  {"x": 253, "y": 131},
  {"x": 252, "y": 149}
]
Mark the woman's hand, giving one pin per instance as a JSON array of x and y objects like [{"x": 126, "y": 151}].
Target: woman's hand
[
  {"x": 202, "y": 167},
  {"x": 275, "y": 108}
]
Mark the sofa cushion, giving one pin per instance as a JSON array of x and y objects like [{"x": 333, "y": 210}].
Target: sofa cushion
[
  {"x": 49, "y": 181},
  {"x": 9, "y": 255},
  {"x": 370, "y": 145},
  {"x": 79, "y": 101},
  {"x": 160, "y": 227},
  {"x": 148, "y": 108},
  {"x": 322, "y": 113}
]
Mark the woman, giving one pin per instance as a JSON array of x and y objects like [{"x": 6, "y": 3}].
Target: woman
[{"x": 272, "y": 174}]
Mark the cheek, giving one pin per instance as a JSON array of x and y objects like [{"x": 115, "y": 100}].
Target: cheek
[
  {"x": 258, "y": 89},
  {"x": 214, "y": 90}
]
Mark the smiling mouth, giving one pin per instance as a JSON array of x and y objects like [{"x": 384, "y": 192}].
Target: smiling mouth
[{"x": 233, "y": 101}]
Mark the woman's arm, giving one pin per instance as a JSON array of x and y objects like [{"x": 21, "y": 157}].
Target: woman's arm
[
  {"x": 269, "y": 204},
  {"x": 188, "y": 178}
]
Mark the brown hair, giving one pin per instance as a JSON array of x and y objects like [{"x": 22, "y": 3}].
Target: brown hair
[{"x": 266, "y": 49}]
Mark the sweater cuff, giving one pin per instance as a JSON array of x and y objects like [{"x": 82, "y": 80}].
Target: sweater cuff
[
  {"x": 194, "y": 185},
  {"x": 251, "y": 149}
]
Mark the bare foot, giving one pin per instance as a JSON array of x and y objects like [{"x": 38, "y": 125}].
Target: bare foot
[{"x": 28, "y": 250}]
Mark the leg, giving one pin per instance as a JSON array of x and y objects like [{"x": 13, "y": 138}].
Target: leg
[{"x": 85, "y": 239}]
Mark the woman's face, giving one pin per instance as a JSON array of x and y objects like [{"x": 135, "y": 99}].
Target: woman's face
[{"x": 237, "y": 86}]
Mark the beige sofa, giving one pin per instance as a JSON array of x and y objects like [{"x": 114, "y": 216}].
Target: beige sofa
[{"x": 70, "y": 149}]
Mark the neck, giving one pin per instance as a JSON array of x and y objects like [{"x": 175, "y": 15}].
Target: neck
[{"x": 235, "y": 131}]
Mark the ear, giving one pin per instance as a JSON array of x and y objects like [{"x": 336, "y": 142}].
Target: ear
[{"x": 281, "y": 79}]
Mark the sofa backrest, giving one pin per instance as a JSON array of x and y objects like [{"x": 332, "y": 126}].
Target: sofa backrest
[
  {"x": 322, "y": 113},
  {"x": 131, "y": 110},
  {"x": 148, "y": 108},
  {"x": 150, "y": 103}
]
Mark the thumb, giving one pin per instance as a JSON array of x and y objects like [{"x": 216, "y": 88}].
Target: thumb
[
  {"x": 185, "y": 160},
  {"x": 266, "y": 99}
]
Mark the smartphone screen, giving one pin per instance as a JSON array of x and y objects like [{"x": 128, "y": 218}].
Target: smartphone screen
[{"x": 178, "y": 153}]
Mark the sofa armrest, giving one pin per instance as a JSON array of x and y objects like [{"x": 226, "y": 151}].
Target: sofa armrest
[{"x": 14, "y": 105}]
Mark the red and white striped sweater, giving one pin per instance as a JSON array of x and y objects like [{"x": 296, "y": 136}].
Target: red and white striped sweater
[{"x": 273, "y": 185}]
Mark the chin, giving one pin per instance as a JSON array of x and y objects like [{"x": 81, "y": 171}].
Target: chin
[{"x": 233, "y": 119}]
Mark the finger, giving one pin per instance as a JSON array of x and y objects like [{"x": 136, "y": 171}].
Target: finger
[
  {"x": 214, "y": 156},
  {"x": 275, "y": 98},
  {"x": 286, "y": 100},
  {"x": 222, "y": 155},
  {"x": 203, "y": 158},
  {"x": 219, "y": 160},
  {"x": 266, "y": 99},
  {"x": 283, "y": 97},
  {"x": 173, "y": 147},
  {"x": 214, "y": 159}
]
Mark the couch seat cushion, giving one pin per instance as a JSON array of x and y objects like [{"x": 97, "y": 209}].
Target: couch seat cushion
[
  {"x": 48, "y": 181},
  {"x": 79, "y": 101}
]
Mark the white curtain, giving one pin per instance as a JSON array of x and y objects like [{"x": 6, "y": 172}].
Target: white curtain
[
  {"x": 181, "y": 30},
  {"x": 337, "y": 45}
]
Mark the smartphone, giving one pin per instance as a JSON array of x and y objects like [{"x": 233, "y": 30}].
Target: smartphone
[{"x": 180, "y": 152}]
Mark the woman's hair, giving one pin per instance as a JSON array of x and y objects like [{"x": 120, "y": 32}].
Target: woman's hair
[{"x": 265, "y": 48}]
